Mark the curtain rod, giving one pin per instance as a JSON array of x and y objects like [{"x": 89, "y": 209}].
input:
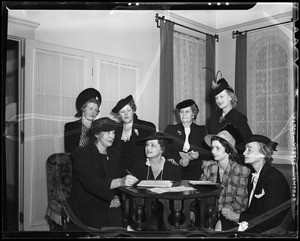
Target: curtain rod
[
  {"x": 238, "y": 32},
  {"x": 163, "y": 18}
]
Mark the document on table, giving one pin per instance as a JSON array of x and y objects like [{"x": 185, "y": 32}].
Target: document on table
[
  {"x": 171, "y": 189},
  {"x": 155, "y": 183}
]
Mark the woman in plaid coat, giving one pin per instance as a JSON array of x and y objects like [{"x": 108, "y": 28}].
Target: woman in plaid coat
[{"x": 232, "y": 177}]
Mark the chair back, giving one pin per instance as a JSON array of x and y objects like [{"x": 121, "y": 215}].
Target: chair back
[{"x": 59, "y": 175}]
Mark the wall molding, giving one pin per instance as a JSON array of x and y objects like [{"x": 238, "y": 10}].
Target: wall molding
[
  {"x": 22, "y": 22},
  {"x": 203, "y": 27},
  {"x": 261, "y": 21},
  {"x": 21, "y": 27}
]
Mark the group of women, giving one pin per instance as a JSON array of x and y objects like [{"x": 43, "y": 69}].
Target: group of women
[{"x": 104, "y": 151}]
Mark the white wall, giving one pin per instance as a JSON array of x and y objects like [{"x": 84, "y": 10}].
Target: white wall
[{"x": 130, "y": 35}]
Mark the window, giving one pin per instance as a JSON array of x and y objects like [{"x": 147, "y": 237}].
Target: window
[{"x": 270, "y": 86}]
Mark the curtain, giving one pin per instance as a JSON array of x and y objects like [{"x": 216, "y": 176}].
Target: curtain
[
  {"x": 241, "y": 72},
  {"x": 189, "y": 75},
  {"x": 270, "y": 84},
  {"x": 166, "y": 75},
  {"x": 210, "y": 75}
]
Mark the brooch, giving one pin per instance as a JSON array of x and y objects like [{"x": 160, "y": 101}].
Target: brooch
[
  {"x": 179, "y": 132},
  {"x": 136, "y": 132},
  {"x": 221, "y": 119}
]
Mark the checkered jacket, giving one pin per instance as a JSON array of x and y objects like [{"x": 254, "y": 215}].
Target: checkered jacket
[{"x": 234, "y": 194}]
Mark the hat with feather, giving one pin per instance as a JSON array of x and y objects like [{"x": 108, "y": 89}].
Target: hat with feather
[{"x": 220, "y": 85}]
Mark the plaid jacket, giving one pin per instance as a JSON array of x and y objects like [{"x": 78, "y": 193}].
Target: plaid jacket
[{"x": 234, "y": 194}]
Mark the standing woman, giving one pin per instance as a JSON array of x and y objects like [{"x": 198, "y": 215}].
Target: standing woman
[
  {"x": 226, "y": 101},
  {"x": 129, "y": 132},
  {"x": 189, "y": 139},
  {"x": 232, "y": 177},
  {"x": 87, "y": 105},
  {"x": 95, "y": 178}
]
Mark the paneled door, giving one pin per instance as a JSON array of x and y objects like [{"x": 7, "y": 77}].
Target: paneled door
[{"x": 54, "y": 76}]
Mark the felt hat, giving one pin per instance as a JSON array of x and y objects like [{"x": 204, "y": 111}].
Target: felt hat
[
  {"x": 260, "y": 138},
  {"x": 185, "y": 103},
  {"x": 121, "y": 103},
  {"x": 154, "y": 136},
  {"x": 85, "y": 95},
  {"x": 103, "y": 124},
  {"x": 220, "y": 86},
  {"x": 225, "y": 135}
]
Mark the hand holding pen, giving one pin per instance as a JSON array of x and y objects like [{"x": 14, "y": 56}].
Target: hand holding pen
[{"x": 130, "y": 180}]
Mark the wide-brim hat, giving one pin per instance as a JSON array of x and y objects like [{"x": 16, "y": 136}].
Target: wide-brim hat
[
  {"x": 85, "y": 95},
  {"x": 184, "y": 104},
  {"x": 103, "y": 124},
  {"x": 155, "y": 136},
  {"x": 225, "y": 135},
  {"x": 220, "y": 86},
  {"x": 259, "y": 138},
  {"x": 121, "y": 103}
]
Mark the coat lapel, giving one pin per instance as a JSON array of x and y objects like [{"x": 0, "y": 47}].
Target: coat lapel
[{"x": 261, "y": 179}]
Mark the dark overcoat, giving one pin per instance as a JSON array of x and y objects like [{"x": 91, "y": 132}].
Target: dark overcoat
[{"x": 91, "y": 194}]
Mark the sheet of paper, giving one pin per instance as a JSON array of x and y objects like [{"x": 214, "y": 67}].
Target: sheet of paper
[
  {"x": 155, "y": 183},
  {"x": 171, "y": 189}
]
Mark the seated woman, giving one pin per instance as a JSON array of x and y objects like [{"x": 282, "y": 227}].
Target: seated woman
[
  {"x": 95, "y": 178},
  {"x": 156, "y": 167},
  {"x": 232, "y": 177},
  {"x": 87, "y": 105}
]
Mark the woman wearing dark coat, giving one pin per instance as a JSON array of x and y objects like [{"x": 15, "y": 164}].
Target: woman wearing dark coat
[
  {"x": 130, "y": 130},
  {"x": 188, "y": 138},
  {"x": 269, "y": 193},
  {"x": 87, "y": 105},
  {"x": 155, "y": 166},
  {"x": 95, "y": 178},
  {"x": 226, "y": 101}
]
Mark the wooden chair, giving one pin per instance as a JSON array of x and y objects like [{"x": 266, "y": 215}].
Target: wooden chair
[{"x": 59, "y": 177}]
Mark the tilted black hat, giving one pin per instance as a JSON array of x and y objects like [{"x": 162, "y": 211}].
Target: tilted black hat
[
  {"x": 85, "y": 95},
  {"x": 185, "y": 103},
  {"x": 154, "y": 136},
  {"x": 263, "y": 139},
  {"x": 121, "y": 103},
  {"x": 103, "y": 124},
  {"x": 220, "y": 86}
]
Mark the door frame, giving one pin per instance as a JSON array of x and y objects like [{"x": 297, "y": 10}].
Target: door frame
[{"x": 20, "y": 112}]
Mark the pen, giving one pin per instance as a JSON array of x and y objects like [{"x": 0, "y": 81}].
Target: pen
[{"x": 129, "y": 172}]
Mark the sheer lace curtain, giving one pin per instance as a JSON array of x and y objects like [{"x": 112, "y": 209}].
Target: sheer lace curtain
[
  {"x": 270, "y": 85},
  {"x": 189, "y": 75}
]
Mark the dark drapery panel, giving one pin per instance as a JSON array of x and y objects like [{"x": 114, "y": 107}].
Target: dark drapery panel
[
  {"x": 210, "y": 75},
  {"x": 241, "y": 72},
  {"x": 166, "y": 90}
]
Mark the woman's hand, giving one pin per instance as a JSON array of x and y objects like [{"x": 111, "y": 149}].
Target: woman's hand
[
  {"x": 115, "y": 203},
  {"x": 193, "y": 154},
  {"x": 230, "y": 214},
  {"x": 129, "y": 180},
  {"x": 184, "y": 162}
]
